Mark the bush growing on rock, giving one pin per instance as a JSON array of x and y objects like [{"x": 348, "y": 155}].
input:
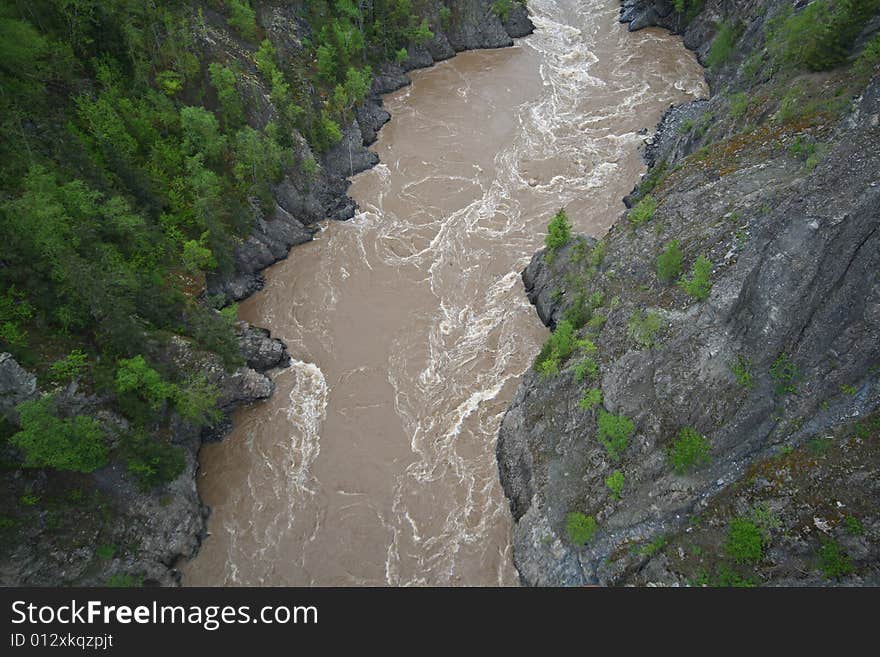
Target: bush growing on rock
[
  {"x": 669, "y": 262},
  {"x": 615, "y": 482},
  {"x": 833, "y": 561},
  {"x": 580, "y": 528},
  {"x": 820, "y": 36},
  {"x": 745, "y": 541},
  {"x": 558, "y": 233},
  {"x": 784, "y": 374},
  {"x": 75, "y": 444},
  {"x": 689, "y": 451},
  {"x": 591, "y": 399},
  {"x": 643, "y": 327},
  {"x": 699, "y": 283},
  {"x": 643, "y": 212},
  {"x": 614, "y": 432}
]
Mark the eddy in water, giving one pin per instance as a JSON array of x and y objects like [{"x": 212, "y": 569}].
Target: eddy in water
[{"x": 374, "y": 462}]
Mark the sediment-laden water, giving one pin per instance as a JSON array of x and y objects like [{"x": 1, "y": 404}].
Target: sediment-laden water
[{"x": 374, "y": 461}]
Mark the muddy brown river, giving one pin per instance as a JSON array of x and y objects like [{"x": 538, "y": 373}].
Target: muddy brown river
[{"x": 373, "y": 463}]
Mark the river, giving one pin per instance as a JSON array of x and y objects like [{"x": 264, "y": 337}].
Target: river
[{"x": 374, "y": 462}]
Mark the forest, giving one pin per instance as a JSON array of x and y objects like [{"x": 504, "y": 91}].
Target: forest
[{"x": 131, "y": 165}]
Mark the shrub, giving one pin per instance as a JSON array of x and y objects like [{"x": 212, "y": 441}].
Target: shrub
[
  {"x": 745, "y": 541},
  {"x": 869, "y": 60},
  {"x": 591, "y": 399},
  {"x": 742, "y": 370},
  {"x": 242, "y": 18},
  {"x": 669, "y": 262},
  {"x": 699, "y": 284},
  {"x": 557, "y": 349},
  {"x": 558, "y": 232},
  {"x": 585, "y": 369},
  {"x": 725, "y": 576},
  {"x": 853, "y": 526},
  {"x": 125, "y": 581},
  {"x": 784, "y": 373},
  {"x": 615, "y": 482},
  {"x": 445, "y": 16},
  {"x": 643, "y": 327},
  {"x": 614, "y": 432},
  {"x": 597, "y": 257},
  {"x": 689, "y": 451},
  {"x": 690, "y": 8},
  {"x": 580, "y": 528},
  {"x": 151, "y": 460},
  {"x": 69, "y": 367},
  {"x": 105, "y": 551},
  {"x": 820, "y": 36},
  {"x": 833, "y": 561},
  {"x": 722, "y": 46},
  {"x": 76, "y": 444},
  {"x": 739, "y": 103},
  {"x": 643, "y": 211}
]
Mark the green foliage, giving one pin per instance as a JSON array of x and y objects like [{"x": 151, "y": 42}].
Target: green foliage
[
  {"x": 196, "y": 401},
  {"x": 591, "y": 399},
  {"x": 587, "y": 368},
  {"x": 615, "y": 482},
  {"x": 557, "y": 349},
  {"x": 869, "y": 59},
  {"x": 699, "y": 284},
  {"x": 689, "y": 451},
  {"x": 225, "y": 83},
  {"x": 445, "y": 14},
  {"x": 723, "y": 45},
  {"x": 134, "y": 375},
  {"x": 614, "y": 432},
  {"x": 742, "y": 370},
  {"x": 655, "y": 176},
  {"x": 784, "y": 373},
  {"x": 643, "y": 211},
  {"x": 75, "y": 444},
  {"x": 745, "y": 541},
  {"x": 68, "y": 368},
  {"x": 558, "y": 232},
  {"x": 725, "y": 576},
  {"x": 853, "y": 526},
  {"x": 669, "y": 262},
  {"x": 820, "y": 36},
  {"x": 502, "y": 8},
  {"x": 125, "y": 581},
  {"x": 739, "y": 104},
  {"x": 105, "y": 551},
  {"x": 653, "y": 547},
  {"x": 15, "y": 311},
  {"x": 580, "y": 528},
  {"x": 597, "y": 257},
  {"x": 690, "y": 8},
  {"x": 242, "y": 18},
  {"x": 833, "y": 561},
  {"x": 643, "y": 327},
  {"x": 151, "y": 460}
]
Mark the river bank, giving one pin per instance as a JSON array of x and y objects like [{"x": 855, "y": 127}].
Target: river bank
[{"x": 716, "y": 427}]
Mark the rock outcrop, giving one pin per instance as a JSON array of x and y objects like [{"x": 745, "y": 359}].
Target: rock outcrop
[{"x": 777, "y": 368}]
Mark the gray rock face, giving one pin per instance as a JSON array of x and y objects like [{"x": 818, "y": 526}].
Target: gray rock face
[
  {"x": 795, "y": 253},
  {"x": 261, "y": 351},
  {"x": 16, "y": 385}
]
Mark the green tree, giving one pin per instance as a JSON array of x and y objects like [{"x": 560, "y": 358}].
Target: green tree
[{"x": 75, "y": 444}]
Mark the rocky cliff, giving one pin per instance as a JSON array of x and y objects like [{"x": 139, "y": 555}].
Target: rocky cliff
[{"x": 715, "y": 422}]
